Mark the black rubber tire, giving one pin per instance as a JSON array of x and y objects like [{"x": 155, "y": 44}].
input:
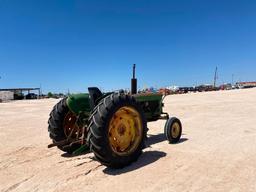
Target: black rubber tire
[
  {"x": 167, "y": 130},
  {"x": 55, "y": 125},
  {"x": 98, "y": 130}
]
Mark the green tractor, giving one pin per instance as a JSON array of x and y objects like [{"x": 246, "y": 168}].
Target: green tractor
[{"x": 112, "y": 125}]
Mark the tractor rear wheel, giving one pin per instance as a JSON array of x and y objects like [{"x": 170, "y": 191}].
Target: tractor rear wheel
[
  {"x": 61, "y": 124},
  {"x": 117, "y": 130},
  {"x": 173, "y": 130}
]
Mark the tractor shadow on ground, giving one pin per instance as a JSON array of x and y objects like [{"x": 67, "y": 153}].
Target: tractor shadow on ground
[
  {"x": 68, "y": 155},
  {"x": 145, "y": 159},
  {"x": 153, "y": 139}
]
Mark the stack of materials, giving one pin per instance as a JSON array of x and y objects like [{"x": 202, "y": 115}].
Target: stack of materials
[{"x": 6, "y": 96}]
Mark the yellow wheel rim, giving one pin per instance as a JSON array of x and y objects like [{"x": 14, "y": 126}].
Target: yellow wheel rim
[
  {"x": 125, "y": 131},
  {"x": 175, "y": 130},
  {"x": 70, "y": 127}
]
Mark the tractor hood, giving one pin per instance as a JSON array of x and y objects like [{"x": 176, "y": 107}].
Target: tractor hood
[{"x": 79, "y": 103}]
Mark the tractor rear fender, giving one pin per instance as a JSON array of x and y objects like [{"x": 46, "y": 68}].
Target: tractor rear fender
[{"x": 78, "y": 103}]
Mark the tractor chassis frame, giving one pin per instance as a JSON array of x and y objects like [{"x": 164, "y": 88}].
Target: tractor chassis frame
[{"x": 69, "y": 142}]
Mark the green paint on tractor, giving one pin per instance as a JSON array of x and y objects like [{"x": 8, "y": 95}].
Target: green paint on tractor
[
  {"x": 151, "y": 104},
  {"x": 78, "y": 103}
]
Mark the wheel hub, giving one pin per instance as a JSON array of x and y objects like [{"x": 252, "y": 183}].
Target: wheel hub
[
  {"x": 175, "y": 130},
  {"x": 71, "y": 129},
  {"x": 121, "y": 130},
  {"x": 125, "y": 131}
]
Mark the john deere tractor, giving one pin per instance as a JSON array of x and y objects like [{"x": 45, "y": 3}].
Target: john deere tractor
[{"x": 112, "y": 125}]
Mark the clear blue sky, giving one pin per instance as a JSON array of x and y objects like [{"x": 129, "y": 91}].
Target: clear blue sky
[{"x": 65, "y": 44}]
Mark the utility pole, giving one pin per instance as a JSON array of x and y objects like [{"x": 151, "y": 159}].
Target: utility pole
[
  {"x": 215, "y": 77},
  {"x": 232, "y": 79},
  {"x": 40, "y": 91}
]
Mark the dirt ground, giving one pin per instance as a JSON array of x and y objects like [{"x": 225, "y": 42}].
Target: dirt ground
[{"x": 217, "y": 151}]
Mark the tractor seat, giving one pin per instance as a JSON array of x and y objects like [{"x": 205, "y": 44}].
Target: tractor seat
[{"x": 94, "y": 94}]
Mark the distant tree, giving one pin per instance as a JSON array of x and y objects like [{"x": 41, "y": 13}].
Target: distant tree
[
  {"x": 61, "y": 95},
  {"x": 50, "y": 95}
]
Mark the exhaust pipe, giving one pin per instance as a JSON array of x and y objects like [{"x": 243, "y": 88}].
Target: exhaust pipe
[{"x": 133, "y": 81}]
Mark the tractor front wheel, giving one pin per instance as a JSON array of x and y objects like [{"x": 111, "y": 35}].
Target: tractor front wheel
[
  {"x": 173, "y": 130},
  {"x": 117, "y": 130}
]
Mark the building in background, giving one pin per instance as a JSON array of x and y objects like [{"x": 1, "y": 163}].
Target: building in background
[
  {"x": 6, "y": 96},
  {"x": 18, "y": 93}
]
